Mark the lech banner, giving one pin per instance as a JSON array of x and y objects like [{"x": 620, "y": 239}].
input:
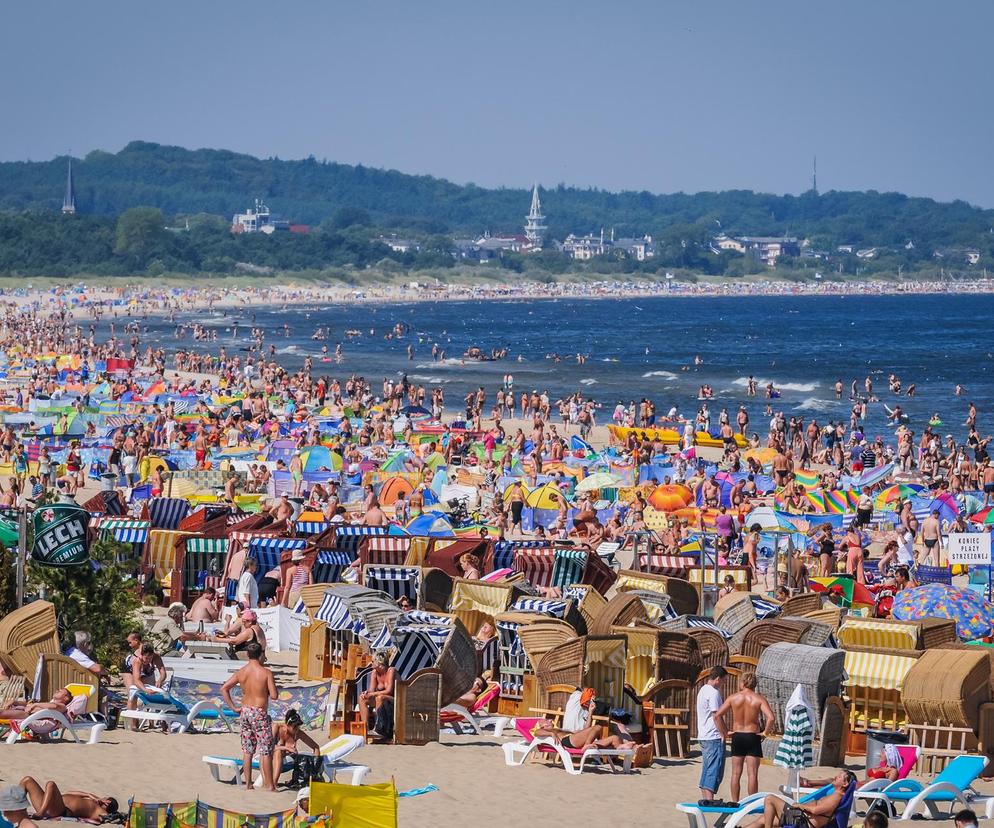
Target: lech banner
[{"x": 60, "y": 535}]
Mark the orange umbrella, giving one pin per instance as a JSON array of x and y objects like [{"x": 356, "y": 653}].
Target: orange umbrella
[{"x": 670, "y": 496}]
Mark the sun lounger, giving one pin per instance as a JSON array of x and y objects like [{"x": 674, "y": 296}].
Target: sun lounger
[
  {"x": 333, "y": 753},
  {"x": 573, "y": 759},
  {"x": 160, "y": 707},
  {"x": 49, "y": 722},
  {"x": 752, "y": 806},
  {"x": 907, "y": 798},
  {"x": 456, "y": 716}
]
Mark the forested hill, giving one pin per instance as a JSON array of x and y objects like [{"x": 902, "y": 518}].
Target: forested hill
[{"x": 181, "y": 181}]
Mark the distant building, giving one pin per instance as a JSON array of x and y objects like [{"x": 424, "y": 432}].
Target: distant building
[
  {"x": 585, "y": 248},
  {"x": 969, "y": 256},
  {"x": 766, "y": 249},
  {"x": 259, "y": 220},
  {"x": 535, "y": 227},
  {"x": 399, "y": 245},
  {"x": 69, "y": 199}
]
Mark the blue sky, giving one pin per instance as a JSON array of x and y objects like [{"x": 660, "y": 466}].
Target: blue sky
[{"x": 661, "y": 96}]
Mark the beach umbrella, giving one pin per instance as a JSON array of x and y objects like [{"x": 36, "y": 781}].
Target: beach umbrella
[
  {"x": 973, "y": 615},
  {"x": 968, "y": 503},
  {"x": 542, "y": 497},
  {"x": 794, "y": 751},
  {"x": 984, "y": 516},
  {"x": 845, "y": 591},
  {"x": 599, "y": 480},
  {"x": 670, "y": 496},
  {"x": 768, "y": 518},
  {"x": 899, "y": 491}
]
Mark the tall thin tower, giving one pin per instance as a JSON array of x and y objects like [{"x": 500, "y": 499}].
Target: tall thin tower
[
  {"x": 814, "y": 175},
  {"x": 69, "y": 199},
  {"x": 535, "y": 222}
]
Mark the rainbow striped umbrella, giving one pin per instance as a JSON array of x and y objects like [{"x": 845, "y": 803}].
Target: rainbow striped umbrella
[{"x": 899, "y": 491}]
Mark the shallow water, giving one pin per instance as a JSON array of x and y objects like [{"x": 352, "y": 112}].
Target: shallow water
[{"x": 647, "y": 346}]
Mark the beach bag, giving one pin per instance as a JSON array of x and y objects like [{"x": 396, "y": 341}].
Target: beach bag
[
  {"x": 794, "y": 817},
  {"x": 307, "y": 768}
]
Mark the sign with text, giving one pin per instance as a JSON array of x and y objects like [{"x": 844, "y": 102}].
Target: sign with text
[
  {"x": 965, "y": 548},
  {"x": 60, "y": 535}
]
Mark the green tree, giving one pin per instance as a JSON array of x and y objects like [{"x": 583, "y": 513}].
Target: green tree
[
  {"x": 98, "y": 597},
  {"x": 141, "y": 231}
]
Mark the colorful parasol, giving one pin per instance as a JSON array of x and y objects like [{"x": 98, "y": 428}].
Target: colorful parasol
[
  {"x": 973, "y": 615},
  {"x": 670, "y": 497},
  {"x": 599, "y": 480},
  {"x": 846, "y": 592},
  {"x": 899, "y": 491}
]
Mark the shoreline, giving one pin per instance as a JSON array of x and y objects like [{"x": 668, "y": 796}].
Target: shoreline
[{"x": 85, "y": 301}]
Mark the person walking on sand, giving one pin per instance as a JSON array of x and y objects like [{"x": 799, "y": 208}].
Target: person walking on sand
[
  {"x": 749, "y": 711},
  {"x": 258, "y": 688}
]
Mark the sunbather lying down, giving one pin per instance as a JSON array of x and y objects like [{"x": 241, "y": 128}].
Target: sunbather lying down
[
  {"x": 20, "y": 708},
  {"x": 584, "y": 739},
  {"x": 50, "y": 803}
]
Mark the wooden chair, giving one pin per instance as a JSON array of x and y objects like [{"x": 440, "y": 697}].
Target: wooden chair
[{"x": 668, "y": 724}]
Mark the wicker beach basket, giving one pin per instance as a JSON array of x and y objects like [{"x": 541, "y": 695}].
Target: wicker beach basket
[
  {"x": 948, "y": 686},
  {"x": 596, "y": 661},
  {"x": 935, "y": 632},
  {"x": 819, "y": 670},
  {"x": 683, "y": 594},
  {"x": 736, "y": 616},
  {"x": 590, "y": 605},
  {"x": 713, "y": 647},
  {"x": 761, "y": 634},
  {"x": 436, "y": 587},
  {"x": 817, "y": 634},
  {"x": 802, "y": 604},
  {"x": 621, "y": 611},
  {"x": 828, "y": 614},
  {"x": 541, "y": 635},
  {"x": 457, "y": 663}
]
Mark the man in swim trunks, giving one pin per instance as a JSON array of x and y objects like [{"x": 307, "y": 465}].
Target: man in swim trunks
[
  {"x": 258, "y": 687},
  {"x": 988, "y": 479},
  {"x": 931, "y": 534},
  {"x": 749, "y": 710}
]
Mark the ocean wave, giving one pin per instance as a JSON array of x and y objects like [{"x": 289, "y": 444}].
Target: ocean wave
[
  {"x": 429, "y": 379},
  {"x": 762, "y": 382},
  {"x": 289, "y": 349},
  {"x": 441, "y": 364},
  {"x": 664, "y": 374},
  {"x": 588, "y": 381},
  {"x": 815, "y": 404}
]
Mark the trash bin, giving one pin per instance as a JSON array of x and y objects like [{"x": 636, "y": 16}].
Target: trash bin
[{"x": 875, "y": 741}]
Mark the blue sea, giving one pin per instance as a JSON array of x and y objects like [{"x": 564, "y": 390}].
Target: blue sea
[{"x": 646, "y": 347}]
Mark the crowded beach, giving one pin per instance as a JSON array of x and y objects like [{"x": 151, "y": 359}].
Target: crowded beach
[{"x": 364, "y": 604}]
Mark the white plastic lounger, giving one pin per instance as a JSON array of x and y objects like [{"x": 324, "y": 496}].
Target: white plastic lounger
[
  {"x": 333, "y": 753},
  {"x": 51, "y": 721}
]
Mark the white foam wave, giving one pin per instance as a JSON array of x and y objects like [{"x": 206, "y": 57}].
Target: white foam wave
[
  {"x": 664, "y": 374},
  {"x": 588, "y": 381},
  {"x": 429, "y": 379},
  {"x": 762, "y": 382},
  {"x": 815, "y": 404}
]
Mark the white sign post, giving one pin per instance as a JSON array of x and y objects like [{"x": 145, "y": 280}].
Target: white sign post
[{"x": 969, "y": 549}]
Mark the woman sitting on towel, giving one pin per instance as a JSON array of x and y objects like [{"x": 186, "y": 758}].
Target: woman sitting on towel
[{"x": 577, "y": 733}]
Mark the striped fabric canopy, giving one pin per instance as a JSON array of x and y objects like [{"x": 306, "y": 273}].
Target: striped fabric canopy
[
  {"x": 267, "y": 552},
  {"x": 418, "y": 647},
  {"x": 395, "y": 581},
  {"x": 673, "y": 565},
  {"x": 536, "y": 567},
  {"x": 311, "y": 527},
  {"x": 109, "y": 523},
  {"x": 167, "y": 512},
  {"x": 881, "y": 671},
  {"x": 203, "y": 555},
  {"x": 568, "y": 566},
  {"x": 329, "y": 566},
  {"x": 425, "y": 617},
  {"x": 348, "y": 538},
  {"x": 545, "y": 606},
  {"x": 335, "y": 613},
  {"x": 504, "y": 551},
  {"x": 764, "y": 608},
  {"x": 131, "y": 535},
  {"x": 794, "y": 750},
  {"x": 699, "y": 622},
  {"x": 881, "y": 635}
]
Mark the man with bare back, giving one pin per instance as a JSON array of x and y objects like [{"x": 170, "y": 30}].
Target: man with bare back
[
  {"x": 749, "y": 712},
  {"x": 258, "y": 688}
]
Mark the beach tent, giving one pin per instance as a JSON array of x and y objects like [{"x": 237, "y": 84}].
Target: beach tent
[
  {"x": 394, "y": 487},
  {"x": 317, "y": 458},
  {"x": 355, "y": 806},
  {"x": 542, "y": 497},
  {"x": 431, "y": 524}
]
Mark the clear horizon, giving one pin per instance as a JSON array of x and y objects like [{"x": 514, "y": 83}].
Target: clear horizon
[{"x": 645, "y": 96}]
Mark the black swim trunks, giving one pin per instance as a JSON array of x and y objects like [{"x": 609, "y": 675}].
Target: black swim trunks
[{"x": 747, "y": 744}]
